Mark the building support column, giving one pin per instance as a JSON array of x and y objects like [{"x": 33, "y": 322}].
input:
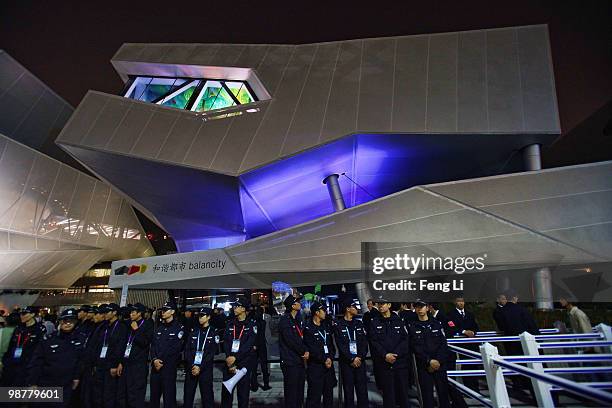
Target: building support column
[
  {"x": 333, "y": 187},
  {"x": 542, "y": 285},
  {"x": 542, "y": 279}
]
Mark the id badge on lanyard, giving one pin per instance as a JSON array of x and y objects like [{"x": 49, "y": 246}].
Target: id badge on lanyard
[
  {"x": 103, "y": 351},
  {"x": 235, "y": 345},
  {"x": 19, "y": 349},
  {"x": 18, "y": 352},
  {"x": 353, "y": 347},
  {"x": 128, "y": 349},
  {"x": 198, "y": 357}
]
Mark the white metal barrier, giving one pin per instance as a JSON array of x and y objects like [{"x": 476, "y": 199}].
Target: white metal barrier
[{"x": 543, "y": 379}]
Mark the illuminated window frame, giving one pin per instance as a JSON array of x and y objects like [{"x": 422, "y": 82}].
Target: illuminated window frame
[{"x": 137, "y": 86}]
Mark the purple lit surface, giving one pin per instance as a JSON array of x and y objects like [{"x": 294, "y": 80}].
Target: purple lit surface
[{"x": 202, "y": 210}]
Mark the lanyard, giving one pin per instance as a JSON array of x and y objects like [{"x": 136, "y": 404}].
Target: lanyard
[
  {"x": 104, "y": 343},
  {"x": 324, "y": 336},
  {"x": 206, "y": 337},
  {"x": 241, "y": 331},
  {"x": 297, "y": 328},
  {"x": 348, "y": 332},
  {"x": 132, "y": 335},
  {"x": 27, "y": 336}
]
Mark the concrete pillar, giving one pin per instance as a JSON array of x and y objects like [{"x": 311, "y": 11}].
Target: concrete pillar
[
  {"x": 531, "y": 157},
  {"x": 542, "y": 285},
  {"x": 333, "y": 187},
  {"x": 363, "y": 294}
]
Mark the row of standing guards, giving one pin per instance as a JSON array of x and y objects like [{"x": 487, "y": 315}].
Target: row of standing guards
[{"x": 105, "y": 362}]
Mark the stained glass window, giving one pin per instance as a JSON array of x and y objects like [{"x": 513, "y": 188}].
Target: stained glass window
[{"x": 198, "y": 95}]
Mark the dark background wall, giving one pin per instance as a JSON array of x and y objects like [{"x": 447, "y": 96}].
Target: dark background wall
[{"x": 68, "y": 44}]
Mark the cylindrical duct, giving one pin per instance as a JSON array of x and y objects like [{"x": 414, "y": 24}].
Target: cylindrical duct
[
  {"x": 531, "y": 157},
  {"x": 542, "y": 285},
  {"x": 333, "y": 187}
]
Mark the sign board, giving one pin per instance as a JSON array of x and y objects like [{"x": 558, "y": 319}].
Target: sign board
[{"x": 171, "y": 268}]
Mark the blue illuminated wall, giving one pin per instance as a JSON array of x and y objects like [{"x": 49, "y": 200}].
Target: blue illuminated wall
[{"x": 203, "y": 210}]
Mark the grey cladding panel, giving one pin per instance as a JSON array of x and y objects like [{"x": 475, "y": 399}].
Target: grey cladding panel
[
  {"x": 442, "y": 83},
  {"x": 155, "y": 133},
  {"x": 106, "y": 123},
  {"x": 504, "y": 82},
  {"x": 10, "y": 72},
  {"x": 252, "y": 56},
  {"x": 471, "y": 83},
  {"x": 341, "y": 113},
  {"x": 129, "y": 52},
  {"x": 128, "y": 130},
  {"x": 179, "y": 54},
  {"x": 154, "y": 52},
  {"x": 17, "y": 102},
  {"x": 17, "y": 161},
  {"x": 207, "y": 141},
  {"x": 410, "y": 85},
  {"x": 39, "y": 124},
  {"x": 203, "y": 54},
  {"x": 306, "y": 126},
  {"x": 82, "y": 119},
  {"x": 537, "y": 80},
  {"x": 227, "y": 55},
  {"x": 267, "y": 142},
  {"x": 271, "y": 69},
  {"x": 180, "y": 138},
  {"x": 376, "y": 85}
]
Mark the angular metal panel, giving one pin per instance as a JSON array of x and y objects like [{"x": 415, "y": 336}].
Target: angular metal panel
[
  {"x": 442, "y": 83},
  {"x": 472, "y": 82}
]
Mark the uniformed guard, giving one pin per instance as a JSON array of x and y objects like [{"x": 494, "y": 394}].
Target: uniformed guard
[
  {"x": 165, "y": 355},
  {"x": 351, "y": 338},
  {"x": 462, "y": 321},
  {"x": 293, "y": 353},
  {"x": 84, "y": 328},
  {"x": 239, "y": 347},
  {"x": 432, "y": 355},
  {"x": 200, "y": 348},
  {"x": 320, "y": 371},
  {"x": 23, "y": 342},
  {"x": 57, "y": 360},
  {"x": 390, "y": 347},
  {"x": 262, "y": 351},
  {"x": 107, "y": 353},
  {"x": 86, "y": 393},
  {"x": 134, "y": 367}
]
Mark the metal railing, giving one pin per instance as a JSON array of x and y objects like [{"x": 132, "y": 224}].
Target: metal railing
[{"x": 543, "y": 379}]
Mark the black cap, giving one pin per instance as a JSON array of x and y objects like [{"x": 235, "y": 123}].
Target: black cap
[
  {"x": 205, "y": 311},
  {"x": 103, "y": 308},
  {"x": 241, "y": 302},
  {"x": 316, "y": 306},
  {"x": 168, "y": 306},
  {"x": 69, "y": 314},
  {"x": 113, "y": 307},
  {"x": 420, "y": 303},
  {"x": 85, "y": 308},
  {"x": 290, "y": 300},
  {"x": 28, "y": 309},
  {"x": 138, "y": 307},
  {"x": 382, "y": 301},
  {"x": 346, "y": 303}
]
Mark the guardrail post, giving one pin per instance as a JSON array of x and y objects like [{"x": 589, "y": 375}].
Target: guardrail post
[
  {"x": 606, "y": 331},
  {"x": 541, "y": 389},
  {"x": 495, "y": 376}
]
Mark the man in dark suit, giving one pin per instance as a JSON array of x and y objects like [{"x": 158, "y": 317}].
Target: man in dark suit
[{"x": 461, "y": 321}]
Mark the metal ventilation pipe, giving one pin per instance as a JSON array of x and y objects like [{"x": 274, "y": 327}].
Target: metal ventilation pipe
[
  {"x": 542, "y": 284},
  {"x": 531, "y": 157},
  {"x": 333, "y": 187}
]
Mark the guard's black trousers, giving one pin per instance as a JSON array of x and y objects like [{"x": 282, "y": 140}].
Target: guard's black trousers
[
  {"x": 86, "y": 394},
  {"x": 262, "y": 361},
  {"x": 204, "y": 381},
  {"x": 132, "y": 386},
  {"x": 293, "y": 385},
  {"x": 243, "y": 388},
  {"x": 426, "y": 383},
  {"x": 321, "y": 383},
  {"x": 395, "y": 385},
  {"x": 354, "y": 381},
  {"x": 104, "y": 388},
  {"x": 163, "y": 383}
]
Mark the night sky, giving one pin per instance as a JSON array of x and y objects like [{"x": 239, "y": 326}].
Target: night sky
[{"x": 68, "y": 44}]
